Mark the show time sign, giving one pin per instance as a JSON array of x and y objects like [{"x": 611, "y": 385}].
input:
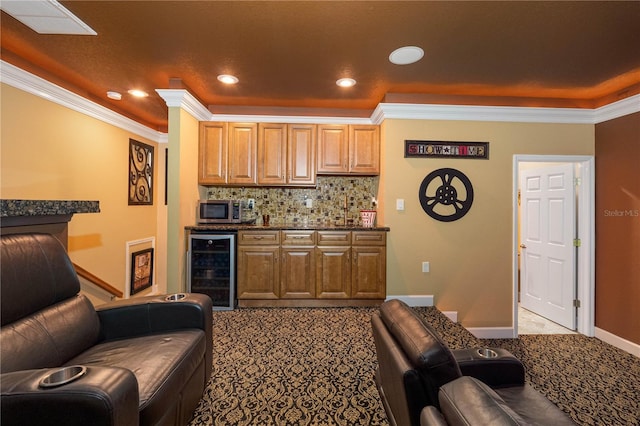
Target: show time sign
[{"x": 444, "y": 149}]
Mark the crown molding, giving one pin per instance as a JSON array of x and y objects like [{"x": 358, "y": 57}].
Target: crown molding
[
  {"x": 617, "y": 109},
  {"x": 386, "y": 111},
  {"x": 20, "y": 79},
  {"x": 181, "y": 98},
  {"x": 292, "y": 119}
]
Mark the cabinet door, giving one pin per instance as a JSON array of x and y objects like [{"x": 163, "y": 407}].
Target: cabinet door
[
  {"x": 333, "y": 149},
  {"x": 368, "y": 279},
  {"x": 258, "y": 272},
  {"x": 364, "y": 150},
  {"x": 301, "y": 154},
  {"x": 272, "y": 154},
  {"x": 212, "y": 153},
  {"x": 298, "y": 273},
  {"x": 333, "y": 272},
  {"x": 243, "y": 140}
]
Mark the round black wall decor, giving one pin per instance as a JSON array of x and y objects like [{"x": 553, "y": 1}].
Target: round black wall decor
[{"x": 446, "y": 194}]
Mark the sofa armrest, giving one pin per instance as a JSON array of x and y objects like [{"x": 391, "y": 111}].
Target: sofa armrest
[
  {"x": 430, "y": 416},
  {"x": 103, "y": 396},
  {"x": 501, "y": 370},
  {"x": 154, "y": 314}
]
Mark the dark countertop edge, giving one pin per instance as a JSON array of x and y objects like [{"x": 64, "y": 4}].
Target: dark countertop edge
[
  {"x": 15, "y": 208},
  {"x": 283, "y": 227}
]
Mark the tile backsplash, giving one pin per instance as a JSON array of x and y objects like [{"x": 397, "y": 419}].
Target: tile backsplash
[{"x": 287, "y": 205}]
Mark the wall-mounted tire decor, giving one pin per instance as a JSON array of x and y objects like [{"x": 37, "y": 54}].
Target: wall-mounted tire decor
[{"x": 446, "y": 194}]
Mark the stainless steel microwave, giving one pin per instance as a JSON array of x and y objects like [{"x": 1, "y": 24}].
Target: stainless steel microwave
[{"x": 219, "y": 211}]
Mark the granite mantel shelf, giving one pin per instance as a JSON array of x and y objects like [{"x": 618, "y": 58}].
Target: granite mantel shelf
[{"x": 30, "y": 212}]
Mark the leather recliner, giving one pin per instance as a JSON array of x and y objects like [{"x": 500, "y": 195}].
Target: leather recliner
[
  {"x": 140, "y": 361},
  {"x": 422, "y": 382}
]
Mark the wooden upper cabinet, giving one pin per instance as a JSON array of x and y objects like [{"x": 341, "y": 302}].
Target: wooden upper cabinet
[
  {"x": 243, "y": 141},
  {"x": 272, "y": 154},
  {"x": 286, "y": 154},
  {"x": 212, "y": 153},
  {"x": 364, "y": 149},
  {"x": 333, "y": 149},
  {"x": 353, "y": 149},
  {"x": 301, "y": 154}
]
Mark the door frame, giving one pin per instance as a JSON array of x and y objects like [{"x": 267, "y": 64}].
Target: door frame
[{"x": 586, "y": 233}]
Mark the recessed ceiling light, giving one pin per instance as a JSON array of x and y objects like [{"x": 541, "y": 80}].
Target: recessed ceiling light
[
  {"x": 406, "y": 55},
  {"x": 138, "y": 93},
  {"x": 228, "y": 79},
  {"x": 346, "y": 82},
  {"x": 114, "y": 95}
]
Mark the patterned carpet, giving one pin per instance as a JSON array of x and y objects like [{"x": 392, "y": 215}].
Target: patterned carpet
[{"x": 284, "y": 366}]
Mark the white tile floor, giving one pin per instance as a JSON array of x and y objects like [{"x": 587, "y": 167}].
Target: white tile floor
[{"x": 530, "y": 323}]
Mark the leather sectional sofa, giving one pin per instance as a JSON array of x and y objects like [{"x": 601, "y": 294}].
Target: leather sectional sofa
[
  {"x": 422, "y": 382},
  {"x": 140, "y": 361}
]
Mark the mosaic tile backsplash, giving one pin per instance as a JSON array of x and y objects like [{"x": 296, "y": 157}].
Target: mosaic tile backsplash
[{"x": 287, "y": 205}]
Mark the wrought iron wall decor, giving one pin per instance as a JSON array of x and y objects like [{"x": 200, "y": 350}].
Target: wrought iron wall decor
[
  {"x": 140, "y": 173},
  {"x": 446, "y": 194},
  {"x": 445, "y": 149}
]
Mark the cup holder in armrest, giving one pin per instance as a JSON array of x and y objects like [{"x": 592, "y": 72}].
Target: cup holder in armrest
[
  {"x": 175, "y": 297},
  {"x": 487, "y": 353},
  {"x": 63, "y": 376}
]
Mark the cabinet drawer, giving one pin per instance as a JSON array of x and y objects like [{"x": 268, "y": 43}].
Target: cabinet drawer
[
  {"x": 258, "y": 238},
  {"x": 334, "y": 238},
  {"x": 299, "y": 238},
  {"x": 369, "y": 238}
]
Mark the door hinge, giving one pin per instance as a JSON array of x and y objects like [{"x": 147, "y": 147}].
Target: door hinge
[
  {"x": 577, "y": 181},
  {"x": 577, "y": 242},
  {"x": 576, "y": 303}
]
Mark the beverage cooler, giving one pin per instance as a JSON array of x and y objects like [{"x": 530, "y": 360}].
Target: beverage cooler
[{"x": 211, "y": 268}]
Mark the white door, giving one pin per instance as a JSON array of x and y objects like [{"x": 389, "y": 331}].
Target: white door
[{"x": 548, "y": 285}]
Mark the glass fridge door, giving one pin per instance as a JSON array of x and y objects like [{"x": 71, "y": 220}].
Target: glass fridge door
[{"x": 211, "y": 268}]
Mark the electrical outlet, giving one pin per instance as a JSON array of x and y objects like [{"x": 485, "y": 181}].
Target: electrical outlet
[
  {"x": 425, "y": 266},
  {"x": 400, "y": 204},
  {"x": 251, "y": 203},
  {"x": 308, "y": 202}
]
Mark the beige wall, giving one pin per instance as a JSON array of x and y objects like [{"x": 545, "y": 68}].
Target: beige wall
[
  {"x": 51, "y": 152},
  {"x": 470, "y": 259}
]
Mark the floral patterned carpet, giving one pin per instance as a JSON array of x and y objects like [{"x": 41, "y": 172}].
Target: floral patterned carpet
[{"x": 315, "y": 366}]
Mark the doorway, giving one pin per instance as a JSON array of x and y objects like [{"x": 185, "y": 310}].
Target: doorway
[{"x": 582, "y": 267}]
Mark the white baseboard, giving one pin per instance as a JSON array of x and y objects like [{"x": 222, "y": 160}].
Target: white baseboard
[
  {"x": 452, "y": 315},
  {"x": 492, "y": 332},
  {"x": 618, "y": 342},
  {"x": 426, "y": 300}
]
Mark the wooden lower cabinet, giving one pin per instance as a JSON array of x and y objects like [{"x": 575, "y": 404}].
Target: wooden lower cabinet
[
  {"x": 258, "y": 265},
  {"x": 329, "y": 266},
  {"x": 333, "y": 272}
]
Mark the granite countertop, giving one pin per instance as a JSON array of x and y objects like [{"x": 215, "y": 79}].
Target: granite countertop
[
  {"x": 15, "y": 208},
  {"x": 284, "y": 226}
]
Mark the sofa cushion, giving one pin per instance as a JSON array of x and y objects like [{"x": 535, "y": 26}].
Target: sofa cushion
[
  {"x": 467, "y": 401},
  {"x": 533, "y": 407},
  {"x": 50, "y": 337},
  {"x": 162, "y": 363},
  {"x": 421, "y": 344},
  {"x": 36, "y": 272}
]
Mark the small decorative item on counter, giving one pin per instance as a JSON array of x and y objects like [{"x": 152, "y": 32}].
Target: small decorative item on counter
[
  {"x": 265, "y": 219},
  {"x": 368, "y": 218}
]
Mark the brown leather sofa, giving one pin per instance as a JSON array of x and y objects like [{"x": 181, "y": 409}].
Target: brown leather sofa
[
  {"x": 422, "y": 382},
  {"x": 140, "y": 361}
]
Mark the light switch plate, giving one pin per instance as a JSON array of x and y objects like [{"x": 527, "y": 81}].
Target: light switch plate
[
  {"x": 425, "y": 266},
  {"x": 400, "y": 204}
]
